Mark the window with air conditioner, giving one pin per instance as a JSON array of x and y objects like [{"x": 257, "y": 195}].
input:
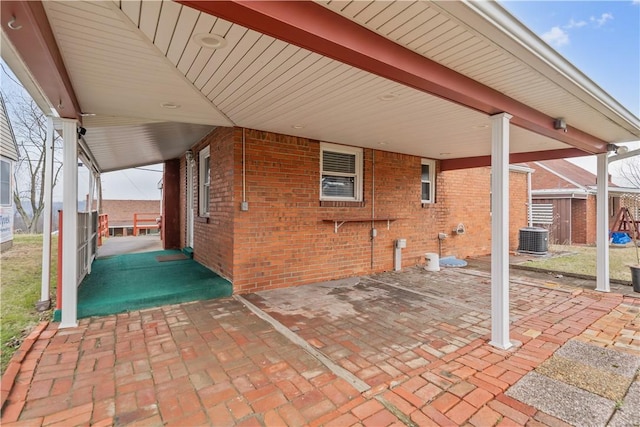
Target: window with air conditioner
[{"x": 341, "y": 173}]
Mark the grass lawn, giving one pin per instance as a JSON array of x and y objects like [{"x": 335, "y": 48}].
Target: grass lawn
[
  {"x": 582, "y": 260},
  {"x": 21, "y": 269}
]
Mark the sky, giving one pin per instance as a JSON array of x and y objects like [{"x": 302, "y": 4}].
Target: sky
[{"x": 600, "y": 38}]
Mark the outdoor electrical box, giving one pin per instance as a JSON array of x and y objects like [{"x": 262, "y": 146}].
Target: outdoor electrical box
[{"x": 401, "y": 243}]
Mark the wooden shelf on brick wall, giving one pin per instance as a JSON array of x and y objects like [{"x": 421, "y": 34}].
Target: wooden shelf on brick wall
[{"x": 337, "y": 223}]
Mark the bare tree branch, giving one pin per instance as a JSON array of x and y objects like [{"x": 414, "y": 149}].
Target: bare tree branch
[
  {"x": 630, "y": 171},
  {"x": 30, "y": 128}
]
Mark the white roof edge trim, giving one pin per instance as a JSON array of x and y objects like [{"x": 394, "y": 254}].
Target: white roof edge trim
[
  {"x": 622, "y": 190},
  {"x": 19, "y": 69},
  {"x": 508, "y": 24},
  {"x": 521, "y": 169}
]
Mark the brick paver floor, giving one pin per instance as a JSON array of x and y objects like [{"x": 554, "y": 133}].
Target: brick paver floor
[{"x": 412, "y": 348}]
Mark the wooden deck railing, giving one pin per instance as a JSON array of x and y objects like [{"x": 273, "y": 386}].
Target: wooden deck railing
[
  {"x": 145, "y": 221},
  {"x": 103, "y": 227}
]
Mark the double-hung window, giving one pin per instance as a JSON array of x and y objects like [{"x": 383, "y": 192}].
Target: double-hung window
[
  {"x": 428, "y": 180},
  {"x": 5, "y": 183},
  {"x": 341, "y": 173},
  {"x": 204, "y": 182}
]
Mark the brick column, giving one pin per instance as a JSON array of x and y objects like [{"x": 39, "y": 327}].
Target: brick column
[{"x": 171, "y": 204}]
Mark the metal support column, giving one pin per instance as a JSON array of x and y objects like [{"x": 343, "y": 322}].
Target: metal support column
[
  {"x": 500, "y": 231},
  {"x": 602, "y": 224},
  {"x": 70, "y": 225}
]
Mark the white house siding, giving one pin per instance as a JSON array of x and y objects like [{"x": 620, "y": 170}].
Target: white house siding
[{"x": 8, "y": 158}]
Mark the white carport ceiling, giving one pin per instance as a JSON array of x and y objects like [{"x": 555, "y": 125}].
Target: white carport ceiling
[{"x": 126, "y": 59}]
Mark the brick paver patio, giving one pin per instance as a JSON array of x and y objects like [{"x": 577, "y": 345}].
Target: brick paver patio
[{"x": 413, "y": 346}]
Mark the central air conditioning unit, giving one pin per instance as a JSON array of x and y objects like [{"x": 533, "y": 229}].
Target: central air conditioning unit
[{"x": 534, "y": 240}]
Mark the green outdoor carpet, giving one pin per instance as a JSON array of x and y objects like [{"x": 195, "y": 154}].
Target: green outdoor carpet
[{"x": 134, "y": 281}]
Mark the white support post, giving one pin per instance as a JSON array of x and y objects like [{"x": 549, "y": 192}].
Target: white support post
[
  {"x": 500, "y": 231},
  {"x": 70, "y": 225},
  {"x": 190, "y": 197},
  {"x": 602, "y": 224},
  {"x": 47, "y": 215},
  {"x": 90, "y": 253}
]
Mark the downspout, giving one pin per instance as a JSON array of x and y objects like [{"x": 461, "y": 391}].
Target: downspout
[
  {"x": 45, "y": 298},
  {"x": 529, "y": 201},
  {"x": 244, "y": 206},
  {"x": 373, "y": 204}
]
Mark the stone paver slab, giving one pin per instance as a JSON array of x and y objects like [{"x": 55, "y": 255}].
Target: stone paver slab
[{"x": 568, "y": 403}]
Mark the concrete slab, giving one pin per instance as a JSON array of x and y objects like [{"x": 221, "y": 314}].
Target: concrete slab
[
  {"x": 613, "y": 361},
  {"x": 566, "y": 402},
  {"x": 129, "y": 245},
  {"x": 629, "y": 413},
  {"x": 601, "y": 382}
]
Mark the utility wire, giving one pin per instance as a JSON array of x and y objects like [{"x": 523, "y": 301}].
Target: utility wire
[
  {"x": 11, "y": 77},
  {"x": 148, "y": 170}
]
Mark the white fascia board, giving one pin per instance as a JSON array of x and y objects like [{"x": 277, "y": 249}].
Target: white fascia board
[
  {"x": 622, "y": 190},
  {"x": 521, "y": 169},
  {"x": 13, "y": 60},
  {"x": 573, "y": 193},
  {"x": 624, "y": 156},
  {"x": 511, "y": 35}
]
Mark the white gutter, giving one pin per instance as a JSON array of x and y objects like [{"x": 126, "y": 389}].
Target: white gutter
[{"x": 624, "y": 156}]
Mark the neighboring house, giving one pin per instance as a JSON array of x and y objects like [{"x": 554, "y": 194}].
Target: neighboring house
[
  {"x": 8, "y": 159},
  {"x": 121, "y": 215},
  {"x": 564, "y": 201}
]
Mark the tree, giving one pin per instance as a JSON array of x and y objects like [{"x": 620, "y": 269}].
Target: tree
[
  {"x": 630, "y": 171},
  {"x": 30, "y": 128}
]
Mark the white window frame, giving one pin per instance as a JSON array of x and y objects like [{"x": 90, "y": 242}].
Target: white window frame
[
  {"x": 10, "y": 192},
  {"x": 204, "y": 185},
  {"x": 358, "y": 175},
  {"x": 431, "y": 181}
]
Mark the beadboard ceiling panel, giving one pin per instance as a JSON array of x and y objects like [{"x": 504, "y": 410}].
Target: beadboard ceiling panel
[
  {"x": 128, "y": 58},
  {"x": 444, "y": 37}
]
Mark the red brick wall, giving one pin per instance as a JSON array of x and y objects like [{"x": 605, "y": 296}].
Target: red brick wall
[
  {"x": 213, "y": 236},
  {"x": 579, "y": 221},
  {"x": 121, "y": 211},
  {"x": 284, "y": 240},
  {"x": 583, "y": 221},
  {"x": 591, "y": 227},
  {"x": 171, "y": 211},
  {"x": 465, "y": 197}
]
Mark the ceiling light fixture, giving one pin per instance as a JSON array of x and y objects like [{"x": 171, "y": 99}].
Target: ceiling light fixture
[
  {"x": 210, "y": 41},
  {"x": 298, "y": 126},
  {"x": 560, "y": 124},
  {"x": 388, "y": 97},
  {"x": 618, "y": 149},
  {"x": 169, "y": 105}
]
